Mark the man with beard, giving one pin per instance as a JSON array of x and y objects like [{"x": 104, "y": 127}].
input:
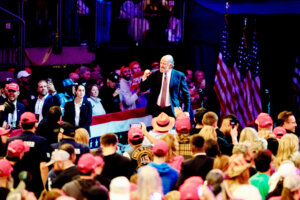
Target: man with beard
[
  {"x": 128, "y": 97},
  {"x": 41, "y": 105},
  {"x": 13, "y": 118}
]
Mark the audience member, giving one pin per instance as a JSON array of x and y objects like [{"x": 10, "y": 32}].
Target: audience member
[
  {"x": 97, "y": 107},
  {"x": 136, "y": 79},
  {"x": 24, "y": 82},
  {"x": 109, "y": 94},
  {"x": 74, "y": 77},
  {"x": 279, "y": 132},
  {"x": 173, "y": 159},
  {"x": 238, "y": 172},
  {"x": 82, "y": 136},
  {"x": 287, "y": 120},
  {"x": 221, "y": 162},
  {"x": 212, "y": 148},
  {"x": 149, "y": 183},
  {"x": 264, "y": 125},
  {"x": 287, "y": 168},
  {"x": 79, "y": 111},
  {"x": 49, "y": 126},
  {"x": 35, "y": 160},
  {"x": 66, "y": 136},
  {"x": 200, "y": 165},
  {"x": 41, "y": 105},
  {"x": 87, "y": 187},
  {"x": 198, "y": 120},
  {"x": 260, "y": 180},
  {"x": 115, "y": 164},
  {"x": 128, "y": 96},
  {"x": 161, "y": 124},
  {"x": 288, "y": 145},
  {"x": 84, "y": 75},
  {"x": 63, "y": 167},
  {"x": 119, "y": 188},
  {"x": 13, "y": 119},
  {"x": 183, "y": 127},
  {"x": 168, "y": 174},
  {"x": 141, "y": 154},
  {"x": 5, "y": 175}
]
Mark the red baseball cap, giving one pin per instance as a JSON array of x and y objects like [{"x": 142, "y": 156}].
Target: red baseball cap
[
  {"x": 28, "y": 117},
  {"x": 123, "y": 68},
  {"x": 88, "y": 162},
  {"x": 160, "y": 147},
  {"x": 189, "y": 191},
  {"x": 4, "y": 131},
  {"x": 279, "y": 131},
  {"x": 5, "y": 168},
  {"x": 133, "y": 63},
  {"x": 13, "y": 86},
  {"x": 135, "y": 133},
  {"x": 16, "y": 147},
  {"x": 264, "y": 120},
  {"x": 182, "y": 124}
]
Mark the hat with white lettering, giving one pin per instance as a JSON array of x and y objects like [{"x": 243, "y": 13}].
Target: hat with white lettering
[
  {"x": 58, "y": 155},
  {"x": 67, "y": 129},
  {"x": 16, "y": 147}
]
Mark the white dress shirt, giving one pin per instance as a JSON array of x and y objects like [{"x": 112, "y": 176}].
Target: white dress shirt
[
  {"x": 77, "y": 112},
  {"x": 168, "y": 89},
  {"x": 39, "y": 107}
]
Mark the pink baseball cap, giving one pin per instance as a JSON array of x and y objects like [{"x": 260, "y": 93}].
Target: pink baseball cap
[
  {"x": 160, "y": 148},
  {"x": 5, "y": 168},
  {"x": 16, "y": 147},
  {"x": 183, "y": 124},
  {"x": 279, "y": 131},
  {"x": 88, "y": 162},
  {"x": 189, "y": 191},
  {"x": 264, "y": 120},
  {"x": 135, "y": 133},
  {"x": 28, "y": 117},
  {"x": 13, "y": 86}
]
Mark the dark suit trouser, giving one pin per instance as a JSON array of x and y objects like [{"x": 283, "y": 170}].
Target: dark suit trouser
[{"x": 157, "y": 110}]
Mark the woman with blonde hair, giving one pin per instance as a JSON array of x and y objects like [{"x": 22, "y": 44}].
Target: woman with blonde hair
[
  {"x": 173, "y": 159},
  {"x": 288, "y": 145},
  {"x": 82, "y": 136},
  {"x": 221, "y": 162},
  {"x": 149, "y": 184},
  {"x": 238, "y": 172},
  {"x": 248, "y": 134},
  {"x": 208, "y": 132}
]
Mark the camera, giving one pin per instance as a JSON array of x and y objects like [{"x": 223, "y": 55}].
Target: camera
[{"x": 233, "y": 122}]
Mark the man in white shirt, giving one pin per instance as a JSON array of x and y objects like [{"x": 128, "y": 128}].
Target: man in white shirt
[{"x": 43, "y": 102}]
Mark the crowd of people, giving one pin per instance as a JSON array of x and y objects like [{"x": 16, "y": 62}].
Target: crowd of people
[
  {"x": 44, "y": 144},
  {"x": 173, "y": 160}
]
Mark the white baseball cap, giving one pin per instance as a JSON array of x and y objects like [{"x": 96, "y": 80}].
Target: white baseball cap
[
  {"x": 58, "y": 155},
  {"x": 23, "y": 73}
]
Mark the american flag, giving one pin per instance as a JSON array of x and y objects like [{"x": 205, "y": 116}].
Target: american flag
[
  {"x": 238, "y": 87},
  {"x": 223, "y": 80}
]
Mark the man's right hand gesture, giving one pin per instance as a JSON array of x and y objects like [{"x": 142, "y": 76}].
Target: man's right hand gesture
[{"x": 146, "y": 74}]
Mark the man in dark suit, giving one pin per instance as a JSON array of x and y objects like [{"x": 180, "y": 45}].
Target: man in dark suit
[
  {"x": 167, "y": 86},
  {"x": 200, "y": 165},
  {"x": 41, "y": 105},
  {"x": 13, "y": 119}
]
